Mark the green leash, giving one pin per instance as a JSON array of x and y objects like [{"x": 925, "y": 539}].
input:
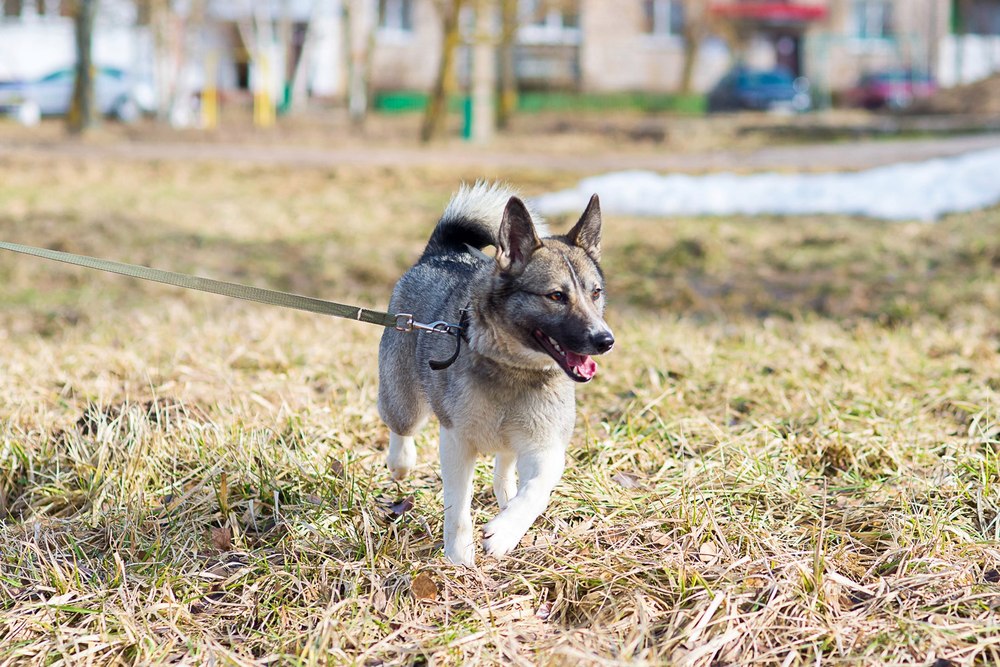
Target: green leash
[{"x": 399, "y": 321}]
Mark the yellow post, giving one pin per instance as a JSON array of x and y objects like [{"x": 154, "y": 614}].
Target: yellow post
[
  {"x": 210, "y": 93},
  {"x": 263, "y": 104}
]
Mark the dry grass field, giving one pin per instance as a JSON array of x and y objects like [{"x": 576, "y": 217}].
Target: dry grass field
[{"x": 792, "y": 457}]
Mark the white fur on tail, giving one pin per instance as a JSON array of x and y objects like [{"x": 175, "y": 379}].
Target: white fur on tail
[{"x": 484, "y": 201}]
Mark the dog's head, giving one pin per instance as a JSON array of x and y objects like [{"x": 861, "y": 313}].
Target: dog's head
[{"x": 547, "y": 295}]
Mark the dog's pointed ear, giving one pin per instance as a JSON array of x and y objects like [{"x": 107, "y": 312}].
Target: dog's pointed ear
[
  {"x": 586, "y": 233},
  {"x": 517, "y": 239}
]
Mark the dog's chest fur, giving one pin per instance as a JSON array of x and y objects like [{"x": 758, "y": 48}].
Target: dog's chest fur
[{"x": 504, "y": 416}]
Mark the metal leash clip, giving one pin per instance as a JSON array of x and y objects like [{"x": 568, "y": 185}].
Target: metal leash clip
[{"x": 406, "y": 324}]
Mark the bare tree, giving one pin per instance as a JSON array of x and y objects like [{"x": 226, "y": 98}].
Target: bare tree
[
  {"x": 437, "y": 106},
  {"x": 484, "y": 72},
  {"x": 508, "y": 71},
  {"x": 159, "y": 17},
  {"x": 696, "y": 27},
  {"x": 360, "y": 21},
  {"x": 300, "y": 69},
  {"x": 82, "y": 114}
]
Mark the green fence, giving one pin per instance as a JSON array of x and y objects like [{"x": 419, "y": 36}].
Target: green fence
[{"x": 535, "y": 102}]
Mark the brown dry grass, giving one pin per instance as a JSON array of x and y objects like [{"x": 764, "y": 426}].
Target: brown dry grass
[{"x": 791, "y": 458}]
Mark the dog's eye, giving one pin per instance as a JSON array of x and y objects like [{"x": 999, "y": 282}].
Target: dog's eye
[
  {"x": 556, "y": 296},
  {"x": 596, "y": 294}
]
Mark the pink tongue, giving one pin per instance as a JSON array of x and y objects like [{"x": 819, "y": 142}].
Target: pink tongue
[{"x": 582, "y": 364}]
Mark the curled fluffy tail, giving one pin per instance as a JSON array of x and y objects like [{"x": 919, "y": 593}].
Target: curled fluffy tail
[{"x": 472, "y": 218}]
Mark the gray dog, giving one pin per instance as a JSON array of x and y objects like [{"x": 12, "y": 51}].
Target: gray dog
[{"x": 531, "y": 316}]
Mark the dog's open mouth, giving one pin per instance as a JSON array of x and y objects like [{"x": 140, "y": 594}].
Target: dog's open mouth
[{"x": 579, "y": 367}]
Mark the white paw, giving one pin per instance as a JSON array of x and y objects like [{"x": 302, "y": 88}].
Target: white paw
[
  {"x": 402, "y": 457},
  {"x": 461, "y": 554},
  {"x": 399, "y": 470},
  {"x": 501, "y": 535}
]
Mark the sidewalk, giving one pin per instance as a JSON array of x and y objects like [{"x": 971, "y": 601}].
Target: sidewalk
[{"x": 805, "y": 157}]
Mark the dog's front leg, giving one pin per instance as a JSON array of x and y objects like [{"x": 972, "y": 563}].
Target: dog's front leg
[
  {"x": 504, "y": 484},
  {"x": 458, "y": 462},
  {"x": 538, "y": 472}
]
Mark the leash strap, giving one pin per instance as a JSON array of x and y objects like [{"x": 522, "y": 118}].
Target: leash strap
[
  {"x": 402, "y": 322},
  {"x": 463, "y": 324}
]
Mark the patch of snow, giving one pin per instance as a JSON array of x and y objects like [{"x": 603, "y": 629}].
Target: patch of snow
[{"x": 906, "y": 191}]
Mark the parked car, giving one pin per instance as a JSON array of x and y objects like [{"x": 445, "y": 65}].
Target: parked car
[
  {"x": 759, "y": 90},
  {"x": 891, "y": 89},
  {"x": 116, "y": 94}
]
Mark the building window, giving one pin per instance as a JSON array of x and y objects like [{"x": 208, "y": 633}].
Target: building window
[
  {"x": 395, "y": 15},
  {"x": 872, "y": 19},
  {"x": 979, "y": 17},
  {"x": 664, "y": 17},
  {"x": 549, "y": 22}
]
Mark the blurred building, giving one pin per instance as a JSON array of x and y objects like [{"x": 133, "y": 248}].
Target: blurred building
[
  {"x": 639, "y": 45},
  {"x": 36, "y": 38},
  {"x": 581, "y": 45}
]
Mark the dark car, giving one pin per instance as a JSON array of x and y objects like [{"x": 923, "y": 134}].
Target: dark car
[
  {"x": 759, "y": 90},
  {"x": 891, "y": 89},
  {"x": 116, "y": 94}
]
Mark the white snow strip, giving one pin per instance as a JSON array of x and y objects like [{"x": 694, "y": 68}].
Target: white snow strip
[{"x": 906, "y": 191}]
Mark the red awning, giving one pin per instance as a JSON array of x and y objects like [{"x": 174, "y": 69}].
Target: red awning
[{"x": 769, "y": 11}]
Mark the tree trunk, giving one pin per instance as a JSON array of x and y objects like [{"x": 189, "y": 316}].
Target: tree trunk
[
  {"x": 694, "y": 31},
  {"x": 302, "y": 67},
  {"x": 508, "y": 71},
  {"x": 359, "y": 25},
  {"x": 82, "y": 114},
  {"x": 444, "y": 86},
  {"x": 484, "y": 74}
]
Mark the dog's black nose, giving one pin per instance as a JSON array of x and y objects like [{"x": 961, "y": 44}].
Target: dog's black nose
[{"x": 603, "y": 341}]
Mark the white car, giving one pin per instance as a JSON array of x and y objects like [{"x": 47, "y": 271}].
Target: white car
[{"x": 116, "y": 94}]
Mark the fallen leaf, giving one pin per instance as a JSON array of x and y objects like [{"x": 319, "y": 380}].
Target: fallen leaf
[
  {"x": 423, "y": 587},
  {"x": 222, "y": 538},
  {"x": 544, "y": 611},
  {"x": 708, "y": 553},
  {"x": 380, "y": 600},
  {"x": 660, "y": 539},
  {"x": 626, "y": 480},
  {"x": 400, "y": 507},
  {"x": 944, "y": 662}
]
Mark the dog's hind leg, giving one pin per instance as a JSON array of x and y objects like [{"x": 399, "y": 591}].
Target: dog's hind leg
[
  {"x": 401, "y": 404},
  {"x": 402, "y": 455},
  {"x": 458, "y": 462},
  {"x": 538, "y": 473},
  {"x": 504, "y": 482},
  {"x": 403, "y": 425}
]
